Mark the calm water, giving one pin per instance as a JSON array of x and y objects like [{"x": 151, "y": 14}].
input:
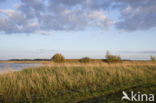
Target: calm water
[{"x": 17, "y": 66}]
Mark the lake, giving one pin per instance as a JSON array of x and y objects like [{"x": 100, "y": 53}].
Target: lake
[{"x": 17, "y": 66}]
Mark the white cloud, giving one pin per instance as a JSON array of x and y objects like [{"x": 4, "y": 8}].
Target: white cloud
[
  {"x": 31, "y": 16},
  {"x": 99, "y": 19}
]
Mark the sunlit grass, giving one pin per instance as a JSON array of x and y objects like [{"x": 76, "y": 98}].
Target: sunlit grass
[{"x": 73, "y": 82}]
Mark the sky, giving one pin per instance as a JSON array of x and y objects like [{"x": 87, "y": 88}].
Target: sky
[{"x": 31, "y": 29}]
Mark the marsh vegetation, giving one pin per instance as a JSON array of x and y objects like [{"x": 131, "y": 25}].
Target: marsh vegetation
[{"x": 77, "y": 82}]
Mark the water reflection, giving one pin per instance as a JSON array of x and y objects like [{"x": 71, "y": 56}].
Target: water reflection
[{"x": 17, "y": 66}]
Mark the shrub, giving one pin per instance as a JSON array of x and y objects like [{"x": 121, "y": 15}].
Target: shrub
[
  {"x": 112, "y": 58},
  {"x": 153, "y": 59},
  {"x": 58, "y": 58},
  {"x": 85, "y": 60}
]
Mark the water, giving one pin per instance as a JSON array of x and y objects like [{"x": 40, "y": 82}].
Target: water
[{"x": 17, "y": 66}]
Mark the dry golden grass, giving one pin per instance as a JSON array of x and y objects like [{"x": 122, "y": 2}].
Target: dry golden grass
[
  {"x": 73, "y": 80},
  {"x": 97, "y": 64}
]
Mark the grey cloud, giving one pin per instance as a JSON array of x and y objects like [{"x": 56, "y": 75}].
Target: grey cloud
[
  {"x": 36, "y": 15},
  {"x": 32, "y": 16},
  {"x": 16, "y": 23},
  {"x": 65, "y": 20},
  {"x": 137, "y": 15},
  {"x": 68, "y": 2},
  {"x": 7, "y": 26},
  {"x": 2, "y": 0},
  {"x": 37, "y": 5},
  {"x": 15, "y": 17}
]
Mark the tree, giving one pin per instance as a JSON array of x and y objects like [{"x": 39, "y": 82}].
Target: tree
[
  {"x": 58, "y": 58},
  {"x": 85, "y": 60},
  {"x": 112, "y": 58},
  {"x": 153, "y": 59}
]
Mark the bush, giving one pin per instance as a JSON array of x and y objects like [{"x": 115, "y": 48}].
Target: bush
[
  {"x": 85, "y": 60},
  {"x": 58, "y": 58},
  {"x": 153, "y": 59},
  {"x": 112, "y": 58}
]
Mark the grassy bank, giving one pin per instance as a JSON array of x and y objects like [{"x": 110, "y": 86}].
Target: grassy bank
[{"x": 71, "y": 83}]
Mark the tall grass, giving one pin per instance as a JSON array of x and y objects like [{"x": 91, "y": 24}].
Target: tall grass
[{"x": 64, "y": 83}]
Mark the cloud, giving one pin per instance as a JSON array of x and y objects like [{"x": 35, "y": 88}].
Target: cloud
[
  {"x": 67, "y": 2},
  {"x": 16, "y": 22},
  {"x": 36, "y": 5},
  {"x": 6, "y": 26},
  {"x": 63, "y": 15},
  {"x": 2, "y": 0},
  {"x": 64, "y": 20},
  {"x": 41, "y": 16},
  {"x": 137, "y": 15},
  {"x": 99, "y": 19}
]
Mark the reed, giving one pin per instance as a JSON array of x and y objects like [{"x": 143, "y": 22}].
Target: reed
[{"x": 68, "y": 82}]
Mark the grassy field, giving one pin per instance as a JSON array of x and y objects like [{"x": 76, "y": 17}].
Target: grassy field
[{"x": 77, "y": 82}]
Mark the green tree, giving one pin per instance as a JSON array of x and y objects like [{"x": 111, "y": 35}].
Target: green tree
[
  {"x": 112, "y": 58},
  {"x": 85, "y": 60},
  {"x": 58, "y": 58},
  {"x": 152, "y": 58}
]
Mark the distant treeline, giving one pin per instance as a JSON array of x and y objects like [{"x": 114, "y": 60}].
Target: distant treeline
[
  {"x": 29, "y": 60},
  {"x": 108, "y": 58},
  {"x": 65, "y": 59}
]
